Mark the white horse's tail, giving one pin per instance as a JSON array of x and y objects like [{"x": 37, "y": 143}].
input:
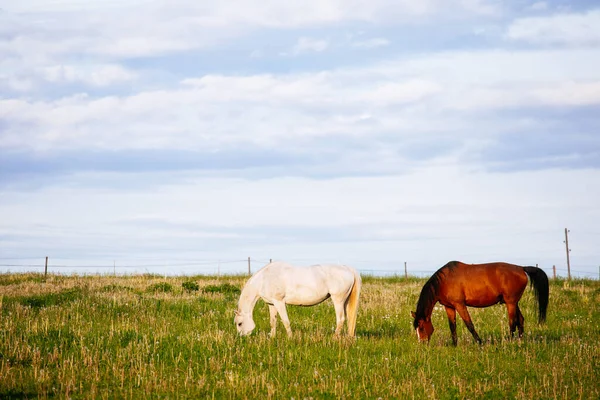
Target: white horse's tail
[{"x": 352, "y": 303}]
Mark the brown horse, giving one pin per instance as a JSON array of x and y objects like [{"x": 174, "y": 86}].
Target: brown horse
[{"x": 457, "y": 285}]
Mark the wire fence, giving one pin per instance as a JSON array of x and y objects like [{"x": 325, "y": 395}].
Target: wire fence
[{"x": 245, "y": 266}]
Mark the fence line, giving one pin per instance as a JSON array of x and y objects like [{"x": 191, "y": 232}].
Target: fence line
[
  {"x": 245, "y": 265},
  {"x": 126, "y": 266}
]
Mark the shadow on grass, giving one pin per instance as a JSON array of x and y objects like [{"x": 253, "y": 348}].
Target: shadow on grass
[
  {"x": 16, "y": 362},
  {"x": 13, "y": 393},
  {"x": 50, "y": 299},
  {"x": 496, "y": 340},
  {"x": 378, "y": 333}
]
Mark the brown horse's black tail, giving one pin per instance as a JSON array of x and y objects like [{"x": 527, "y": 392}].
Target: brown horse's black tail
[{"x": 541, "y": 288}]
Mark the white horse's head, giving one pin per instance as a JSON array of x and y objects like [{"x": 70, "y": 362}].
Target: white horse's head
[{"x": 244, "y": 323}]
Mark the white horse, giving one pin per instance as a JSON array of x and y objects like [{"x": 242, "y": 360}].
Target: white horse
[{"x": 279, "y": 283}]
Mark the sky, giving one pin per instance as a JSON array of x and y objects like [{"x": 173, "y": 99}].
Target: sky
[{"x": 183, "y": 137}]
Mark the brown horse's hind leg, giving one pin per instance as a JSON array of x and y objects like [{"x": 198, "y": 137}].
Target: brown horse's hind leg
[
  {"x": 513, "y": 318},
  {"x": 520, "y": 321},
  {"x": 452, "y": 322},
  {"x": 464, "y": 314}
]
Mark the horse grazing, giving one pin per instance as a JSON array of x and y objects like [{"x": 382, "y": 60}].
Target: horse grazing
[
  {"x": 279, "y": 283},
  {"x": 457, "y": 285}
]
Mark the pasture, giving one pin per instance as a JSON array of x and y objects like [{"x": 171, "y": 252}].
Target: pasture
[{"x": 154, "y": 337}]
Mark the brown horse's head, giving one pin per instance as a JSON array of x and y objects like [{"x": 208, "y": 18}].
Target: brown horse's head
[{"x": 423, "y": 327}]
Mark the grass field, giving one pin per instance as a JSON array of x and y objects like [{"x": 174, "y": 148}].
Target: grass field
[{"x": 155, "y": 337}]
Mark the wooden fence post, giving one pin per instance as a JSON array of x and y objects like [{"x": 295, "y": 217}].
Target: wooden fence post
[
  {"x": 554, "y": 271},
  {"x": 46, "y": 269},
  {"x": 249, "y": 273},
  {"x": 405, "y": 270}
]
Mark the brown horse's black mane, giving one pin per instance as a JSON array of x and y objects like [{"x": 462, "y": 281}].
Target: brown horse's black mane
[{"x": 429, "y": 293}]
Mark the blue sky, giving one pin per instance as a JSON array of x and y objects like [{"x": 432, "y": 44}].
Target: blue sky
[{"x": 368, "y": 133}]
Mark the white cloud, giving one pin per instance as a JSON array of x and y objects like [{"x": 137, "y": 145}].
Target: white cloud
[
  {"x": 95, "y": 75},
  {"x": 371, "y": 43},
  {"x": 309, "y": 45},
  {"x": 270, "y": 13},
  {"x": 16, "y": 84},
  {"x": 256, "y": 54},
  {"x": 497, "y": 97},
  {"x": 538, "y": 6},
  {"x": 408, "y": 97},
  {"x": 564, "y": 29},
  {"x": 499, "y": 66},
  {"x": 403, "y": 92},
  {"x": 570, "y": 93},
  {"x": 41, "y": 30}
]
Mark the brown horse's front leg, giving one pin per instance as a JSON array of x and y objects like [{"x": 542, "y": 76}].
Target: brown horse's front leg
[
  {"x": 451, "y": 312},
  {"x": 464, "y": 314}
]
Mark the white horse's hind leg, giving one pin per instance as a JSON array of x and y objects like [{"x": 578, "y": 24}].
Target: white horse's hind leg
[
  {"x": 280, "y": 307},
  {"x": 273, "y": 314},
  {"x": 340, "y": 313}
]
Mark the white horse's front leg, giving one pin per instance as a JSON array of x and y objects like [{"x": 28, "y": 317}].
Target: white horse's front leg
[
  {"x": 340, "y": 313},
  {"x": 273, "y": 319},
  {"x": 280, "y": 307}
]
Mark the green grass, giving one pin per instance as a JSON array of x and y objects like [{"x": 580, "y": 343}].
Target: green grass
[
  {"x": 225, "y": 288},
  {"x": 149, "y": 337},
  {"x": 190, "y": 286},
  {"x": 163, "y": 287}
]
